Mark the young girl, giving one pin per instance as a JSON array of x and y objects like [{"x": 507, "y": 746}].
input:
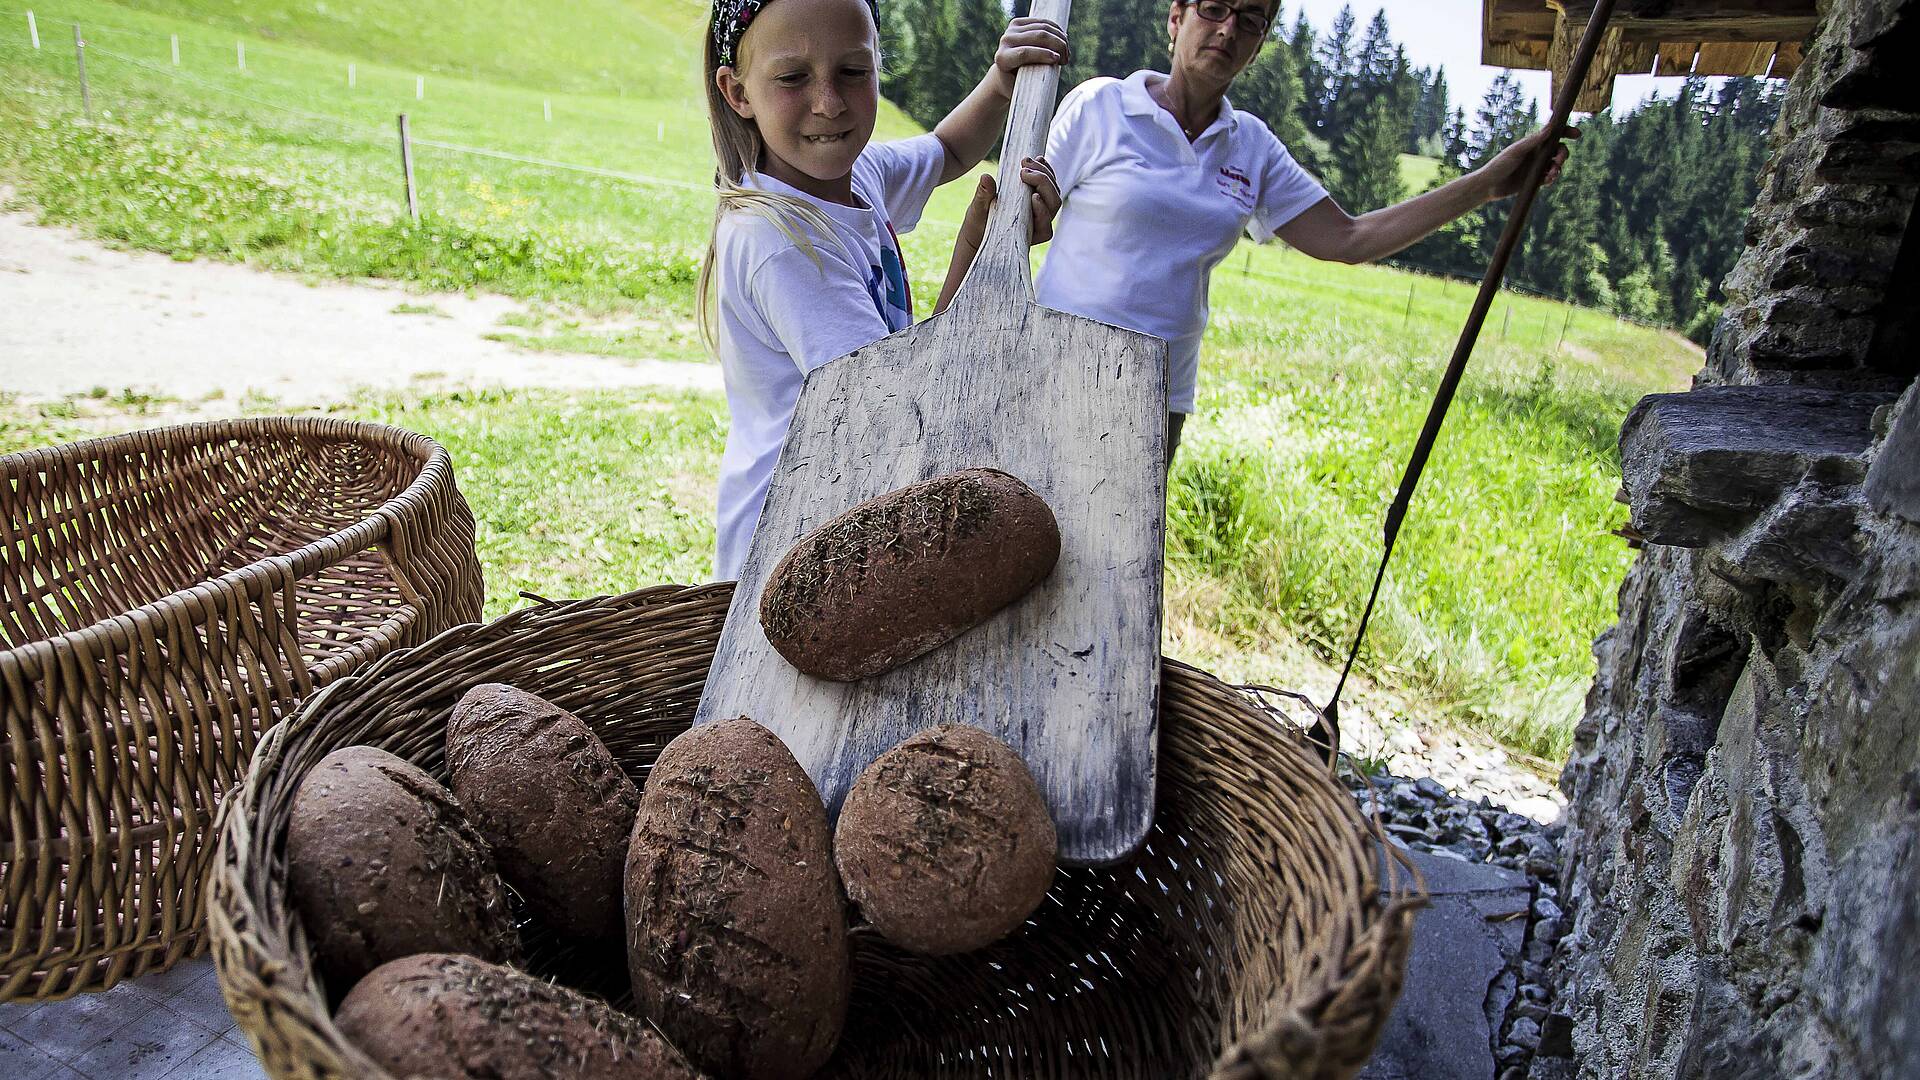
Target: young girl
[{"x": 806, "y": 256}]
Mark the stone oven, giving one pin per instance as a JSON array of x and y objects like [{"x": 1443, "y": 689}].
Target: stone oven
[{"x": 1742, "y": 856}]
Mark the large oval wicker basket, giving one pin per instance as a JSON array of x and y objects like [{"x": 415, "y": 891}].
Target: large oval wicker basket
[
  {"x": 164, "y": 597},
  {"x": 1250, "y": 938}
]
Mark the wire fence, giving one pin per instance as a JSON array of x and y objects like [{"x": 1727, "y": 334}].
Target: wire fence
[{"x": 169, "y": 55}]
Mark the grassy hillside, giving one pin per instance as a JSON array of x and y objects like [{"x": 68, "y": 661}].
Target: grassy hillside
[
  {"x": 1315, "y": 380},
  {"x": 1416, "y": 172}
]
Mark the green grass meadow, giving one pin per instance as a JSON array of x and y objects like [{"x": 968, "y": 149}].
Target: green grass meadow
[{"x": 1316, "y": 376}]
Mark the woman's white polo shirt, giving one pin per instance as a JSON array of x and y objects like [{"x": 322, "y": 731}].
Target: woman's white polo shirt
[{"x": 1148, "y": 215}]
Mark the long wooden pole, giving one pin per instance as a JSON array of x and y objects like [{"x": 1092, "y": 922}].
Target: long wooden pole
[{"x": 1569, "y": 91}]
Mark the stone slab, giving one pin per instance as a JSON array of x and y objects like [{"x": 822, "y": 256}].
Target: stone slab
[
  {"x": 1461, "y": 944},
  {"x": 173, "y": 1025},
  {"x": 1701, "y": 466},
  {"x": 1893, "y": 483}
]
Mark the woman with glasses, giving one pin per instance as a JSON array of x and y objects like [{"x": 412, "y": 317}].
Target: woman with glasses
[{"x": 1160, "y": 176}]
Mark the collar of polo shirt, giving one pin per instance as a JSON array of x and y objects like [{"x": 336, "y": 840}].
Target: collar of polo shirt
[{"x": 1137, "y": 100}]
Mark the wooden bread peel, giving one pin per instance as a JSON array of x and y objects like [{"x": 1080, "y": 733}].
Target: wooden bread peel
[{"x": 1068, "y": 675}]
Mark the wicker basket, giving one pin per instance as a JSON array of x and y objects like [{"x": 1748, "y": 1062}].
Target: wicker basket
[
  {"x": 164, "y": 597},
  {"x": 1249, "y": 939}
]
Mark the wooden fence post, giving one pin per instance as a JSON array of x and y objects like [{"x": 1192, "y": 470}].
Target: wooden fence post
[
  {"x": 1408, "y": 321},
  {"x": 546, "y": 107},
  {"x": 80, "y": 60},
  {"x": 1565, "y": 325},
  {"x": 419, "y": 88},
  {"x": 33, "y": 30},
  {"x": 175, "y": 41},
  {"x": 240, "y": 54},
  {"x": 353, "y": 76},
  {"x": 1506, "y": 322},
  {"x": 406, "y": 167}
]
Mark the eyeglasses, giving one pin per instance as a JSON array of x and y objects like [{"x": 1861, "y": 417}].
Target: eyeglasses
[{"x": 1246, "y": 20}]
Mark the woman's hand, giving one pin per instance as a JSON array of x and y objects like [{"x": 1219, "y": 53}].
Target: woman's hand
[
  {"x": 1045, "y": 203},
  {"x": 1508, "y": 169},
  {"x": 1027, "y": 41}
]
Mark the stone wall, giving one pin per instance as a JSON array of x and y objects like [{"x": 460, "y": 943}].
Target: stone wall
[{"x": 1742, "y": 857}]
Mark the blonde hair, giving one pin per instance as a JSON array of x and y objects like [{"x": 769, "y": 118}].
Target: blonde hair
[{"x": 736, "y": 149}]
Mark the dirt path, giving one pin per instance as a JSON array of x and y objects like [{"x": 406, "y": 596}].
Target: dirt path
[{"x": 75, "y": 315}]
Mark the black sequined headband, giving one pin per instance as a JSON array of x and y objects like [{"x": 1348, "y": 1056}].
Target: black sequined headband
[{"x": 732, "y": 17}]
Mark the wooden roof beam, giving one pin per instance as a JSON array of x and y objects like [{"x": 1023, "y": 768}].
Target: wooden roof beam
[
  {"x": 1786, "y": 60},
  {"x": 1784, "y": 28},
  {"x": 1596, "y": 91},
  {"x": 1676, "y": 57},
  {"x": 1734, "y": 58},
  {"x": 1520, "y": 33}
]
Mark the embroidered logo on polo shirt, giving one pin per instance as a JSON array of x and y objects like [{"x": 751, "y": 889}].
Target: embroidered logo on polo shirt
[{"x": 1236, "y": 186}]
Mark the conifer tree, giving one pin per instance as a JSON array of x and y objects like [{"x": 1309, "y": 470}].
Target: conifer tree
[
  {"x": 900, "y": 29},
  {"x": 1454, "y": 147},
  {"x": 1271, "y": 89},
  {"x": 931, "y": 89},
  {"x": 977, "y": 26},
  {"x": 1498, "y": 121},
  {"x": 1367, "y": 157},
  {"x": 1555, "y": 256},
  {"x": 1426, "y": 136},
  {"x": 1371, "y": 77},
  {"x": 1502, "y": 119},
  {"x": 1334, "y": 70},
  {"x": 1115, "y": 38},
  {"x": 1303, "y": 42}
]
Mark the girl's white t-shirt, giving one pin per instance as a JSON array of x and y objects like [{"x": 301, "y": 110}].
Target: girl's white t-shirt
[
  {"x": 1147, "y": 214},
  {"x": 782, "y": 314}
]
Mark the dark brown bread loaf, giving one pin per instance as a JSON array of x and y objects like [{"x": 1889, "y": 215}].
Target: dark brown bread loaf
[
  {"x": 944, "y": 842},
  {"x": 548, "y": 796},
  {"x": 736, "y": 927},
  {"x": 438, "y": 1015},
  {"x": 899, "y": 575},
  {"x": 382, "y": 863}
]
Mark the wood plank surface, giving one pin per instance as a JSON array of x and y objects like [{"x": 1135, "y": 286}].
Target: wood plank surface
[
  {"x": 1068, "y": 675},
  {"x": 1596, "y": 91},
  {"x": 1520, "y": 33},
  {"x": 1734, "y": 58},
  {"x": 1676, "y": 57},
  {"x": 1786, "y": 60}
]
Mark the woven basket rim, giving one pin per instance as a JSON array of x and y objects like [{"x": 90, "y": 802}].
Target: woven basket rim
[{"x": 123, "y": 627}]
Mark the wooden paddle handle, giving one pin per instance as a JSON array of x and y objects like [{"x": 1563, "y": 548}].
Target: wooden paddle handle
[{"x": 1002, "y": 263}]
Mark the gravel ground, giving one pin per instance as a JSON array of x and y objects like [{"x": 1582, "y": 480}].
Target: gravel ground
[{"x": 1422, "y": 814}]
